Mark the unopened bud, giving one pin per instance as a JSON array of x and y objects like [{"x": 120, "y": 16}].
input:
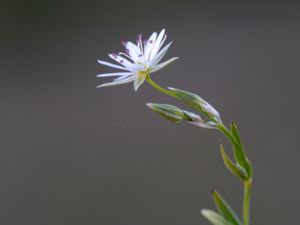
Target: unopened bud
[
  {"x": 169, "y": 112},
  {"x": 198, "y": 121},
  {"x": 197, "y": 103}
]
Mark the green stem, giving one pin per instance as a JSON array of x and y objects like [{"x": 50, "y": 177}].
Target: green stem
[
  {"x": 246, "y": 204},
  {"x": 159, "y": 88}
]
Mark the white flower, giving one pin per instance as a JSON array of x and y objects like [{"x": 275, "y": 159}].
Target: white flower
[{"x": 138, "y": 60}]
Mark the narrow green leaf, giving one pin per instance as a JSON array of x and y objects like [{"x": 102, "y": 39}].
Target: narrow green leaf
[
  {"x": 234, "y": 169},
  {"x": 235, "y": 132},
  {"x": 214, "y": 218},
  {"x": 225, "y": 210},
  {"x": 239, "y": 152}
]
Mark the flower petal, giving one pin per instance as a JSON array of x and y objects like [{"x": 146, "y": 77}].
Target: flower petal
[
  {"x": 160, "y": 55},
  {"x": 162, "y": 65},
  {"x": 111, "y": 65},
  {"x": 124, "y": 81},
  {"x": 123, "y": 77},
  {"x": 157, "y": 44},
  {"x": 149, "y": 45},
  {"x": 119, "y": 59},
  {"x": 113, "y": 74},
  {"x": 163, "y": 41},
  {"x": 138, "y": 81},
  {"x": 123, "y": 61},
  {"x": 134, "y": 51}
]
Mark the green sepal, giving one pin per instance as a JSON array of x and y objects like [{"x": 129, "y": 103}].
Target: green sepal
[
  {"x": 169, "y": 112},
  {"x": 233, "y": 168},
  {"x": 225, "y": 210},
  {"x": 215, "y": 218}
]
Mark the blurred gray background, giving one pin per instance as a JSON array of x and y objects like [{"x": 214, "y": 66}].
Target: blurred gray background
[{"x": 71, "y": 154}]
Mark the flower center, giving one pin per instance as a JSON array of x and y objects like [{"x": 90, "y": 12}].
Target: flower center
[{"x": 141, "y": 73}]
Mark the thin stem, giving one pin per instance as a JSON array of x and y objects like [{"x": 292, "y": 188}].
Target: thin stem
[
  {"x": 246, "y": 204},
  {"x": 159, "y": 88}
]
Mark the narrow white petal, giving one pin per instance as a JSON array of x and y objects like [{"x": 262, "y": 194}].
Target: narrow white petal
[
  {"x": 124, "y": 81},
  {"x": 163, "y": 41},
  {"x": 157, "y": 44},
  {"x": 119, "y": 59},
  {"x": 123, "y": 77},
  {"x": 149, "y": 45},
  {"x": 113, "y": 74},
  {"x": 123, "y": 61},
  {"x": 111, "y": 65},
  {"x": 134, "y": 51},
  {"x": 162, "y": 65},
  {"x": 135, "y": 67},
  {"x": 138, "y": 81},
  {"x": 160, "y": 55}
]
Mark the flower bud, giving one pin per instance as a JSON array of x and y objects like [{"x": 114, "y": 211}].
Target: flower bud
[
  {"x": 198, "y": 121},
  {"x": 169, "y": 112},
  {"x": 197, "y": 103},
  {"x": 175, "y": 114}
]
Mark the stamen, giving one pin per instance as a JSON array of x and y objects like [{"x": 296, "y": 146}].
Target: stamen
[
  {"x": 122, "y": 61},
  {"x": 115, "y": 55},
  {"x": 151, "y": 41},
  {"x": 139, "y": 43},
  {"x": 139, "y": 36},
  {"x": 127, "y": 56},
  {"x": 124, "y": 43}
]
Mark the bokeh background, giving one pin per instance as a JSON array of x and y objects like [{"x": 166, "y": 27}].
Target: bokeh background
[{"x": 71, "y": 154}]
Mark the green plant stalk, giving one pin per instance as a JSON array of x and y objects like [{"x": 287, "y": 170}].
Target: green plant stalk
[
  {"x": 222, "y": 128},
  {"x": 246, "y": 203},
  {"x": 159, "y": 88}
]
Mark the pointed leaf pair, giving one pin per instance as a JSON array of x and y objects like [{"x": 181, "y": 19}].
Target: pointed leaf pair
[{"x": 235, "y": 169}]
